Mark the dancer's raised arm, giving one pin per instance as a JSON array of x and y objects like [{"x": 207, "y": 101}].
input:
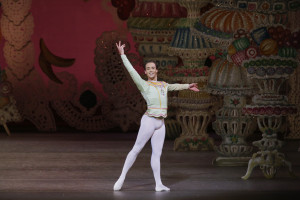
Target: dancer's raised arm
[{"x": 140, "y": 83}]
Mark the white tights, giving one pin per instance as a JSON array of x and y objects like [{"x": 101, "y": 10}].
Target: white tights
[{"x": 153, "y": 128}]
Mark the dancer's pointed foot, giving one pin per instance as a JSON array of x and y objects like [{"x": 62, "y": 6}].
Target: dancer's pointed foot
[
  {"x": 118, "y": 185},
  {"x": 161, "y": 187}
]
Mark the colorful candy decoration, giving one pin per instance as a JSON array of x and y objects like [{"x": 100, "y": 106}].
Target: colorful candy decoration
[
  {"x": 231, "y": 50},
  {"x": 268, "y": 47},
  {"x": 281, "y": 35},
  {"x": 253, "y": 49},
  {"x": 287, "y": 52},
  {"x": 241, "y": 43},
  {"x": 251, "y": 52},
  {"x": 284, "y": 37},
  {"x": 240, "y": 33},
  {"x": 259, "y": 35},
  {"x": 271, "y": 66},
  {"x": 239, "y": 57}
]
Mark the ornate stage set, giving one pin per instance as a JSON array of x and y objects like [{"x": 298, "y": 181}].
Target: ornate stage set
[{"x": 242, "y": 53}]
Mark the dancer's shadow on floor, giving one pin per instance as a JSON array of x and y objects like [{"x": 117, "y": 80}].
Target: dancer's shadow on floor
[
  {"x": 174, "y": 179},
  {"x": 169, "y": 181},
  {"x": 139, "y": 186}
]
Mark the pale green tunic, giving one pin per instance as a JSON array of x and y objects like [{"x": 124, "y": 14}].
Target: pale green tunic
[{"x": 154, "y": 92}]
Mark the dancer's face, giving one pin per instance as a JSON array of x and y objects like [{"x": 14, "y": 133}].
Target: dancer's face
[{"x": 151, "y": 71}]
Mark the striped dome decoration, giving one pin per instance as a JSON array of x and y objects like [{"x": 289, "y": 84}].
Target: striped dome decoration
[
  {"x": 184, "y": 39},
  {"x": 226, "y": 77},
  {"x": 228, "y": 20}
]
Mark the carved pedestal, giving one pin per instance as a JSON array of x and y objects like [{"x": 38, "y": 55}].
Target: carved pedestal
[
  {"x": 269, "y": 107},
  {"x": 234, "y": 127},
  {"x": 194, "y": 110},
  {"x": 194, "y": 136}
]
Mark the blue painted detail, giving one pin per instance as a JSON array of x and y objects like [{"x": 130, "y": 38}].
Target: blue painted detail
[
  {"x": 242, "y": 5},
  {"x": 188, "y": 35},
  {"x": 178, "y": 38},
  {"x": 181, "y": 44},
  {"x": 203, "y": 43},
  {"x": 193, "y": 43},
  {"x": 174, "y": 39},
  {"x": 143, "y": 48},
  {"x": 198, "y": 42},
  {"x": 260, "y": 34}
]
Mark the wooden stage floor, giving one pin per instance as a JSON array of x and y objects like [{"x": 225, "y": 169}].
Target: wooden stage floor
[{"x": 38, "y": 166}]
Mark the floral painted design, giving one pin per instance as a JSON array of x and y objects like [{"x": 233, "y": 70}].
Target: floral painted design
[
  {"x": 235, "y": 102},
  {"x": 269, "y": 131},
  {"x": 234, "y": 139}
]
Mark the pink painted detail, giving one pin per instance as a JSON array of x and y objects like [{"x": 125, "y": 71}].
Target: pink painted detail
[
  {"x": 270, "y": 110},
  {"x": 70, "y": 29},
  {"x": 244, "y": 111},
  {"x": 277, "y": 111},
  {"x": 249, "y": 110},
  {"x": 251, "y": 52},
  {"x": 239, "y": 57},
  {"x": 160, "y": 39},
  {"x": 149, "y": 39},
  {"x": 252, "y": 6}
]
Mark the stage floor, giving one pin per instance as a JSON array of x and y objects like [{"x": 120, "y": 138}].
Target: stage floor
[{"x": 85, "y": 166}]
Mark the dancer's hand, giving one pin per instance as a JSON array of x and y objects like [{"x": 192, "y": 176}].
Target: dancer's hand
[
  {"x": 120, "y": 48},
  {"x": 194, "y": 87}
]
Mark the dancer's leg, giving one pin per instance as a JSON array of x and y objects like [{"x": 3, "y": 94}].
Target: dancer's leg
[
  {"x": 145, "y": 132},
  {"x": 157, "y": 142}
]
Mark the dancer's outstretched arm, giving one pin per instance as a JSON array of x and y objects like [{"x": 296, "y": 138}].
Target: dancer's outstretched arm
[
  {"x": 141, "y": 84},
  {"x": 192, "y": 86}
]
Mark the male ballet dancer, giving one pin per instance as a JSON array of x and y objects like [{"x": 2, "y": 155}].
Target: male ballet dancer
[{"x": 152, "y": 122}]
